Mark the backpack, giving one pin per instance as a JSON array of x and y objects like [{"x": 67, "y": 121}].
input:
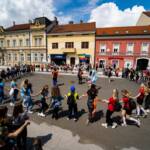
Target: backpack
[
  {"x": 132, "y": 104},
  {"x": 71, "y": 99},
  {"x": 117, "y": 106}
]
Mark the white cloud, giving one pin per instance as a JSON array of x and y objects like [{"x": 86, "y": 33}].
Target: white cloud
[
  {"x": 109, "y": 14},
  {"x": 23, "y": 10},
  {"x": 64, "y": 19}
]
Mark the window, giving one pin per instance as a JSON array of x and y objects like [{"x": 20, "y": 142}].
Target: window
[
  {"x": 15, "y": 57},
  {"x": 130, "y": 48},
  {"x": 22, "y": 57},
  {"x": 145, "y": 47},
  {"x": 14, "y": 43},
  {"x": 54, "y": 45},
  {"x": 9, "y": 57},
  {"x": 38, "y": 41},
  {"x": 28, "y": 57},
  {"x": 42, "y": 57},
  {"x": 69, "y": 45},
  {"x": 85, "y": 45},
  {"x": 116, "y": 48},
  {"x": 35, "y": 57},
  {"x": 8, "y": 43},
  {"x": 102, "y": 48},
  {"x": 27, "y": 42},
  {"x": 20, "y": 42},
  {"x": 1, "y": 43}
]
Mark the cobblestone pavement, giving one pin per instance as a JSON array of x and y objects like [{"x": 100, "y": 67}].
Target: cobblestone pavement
[{"x": 130, "y": 137}]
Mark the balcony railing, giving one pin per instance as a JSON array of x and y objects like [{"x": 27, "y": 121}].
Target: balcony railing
[
  {"x": 129, "y": 53},
  {"x": 144, "y": 52},
  {"x": 102, "y": 53},
  {"x": 68, "y": 50},
  {"x": 115, "y": 53}
]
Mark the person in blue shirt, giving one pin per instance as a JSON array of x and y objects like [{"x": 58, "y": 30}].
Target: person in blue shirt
[
  {"x": 26, "y": 91},
  {"x": 2, "y": 85}
]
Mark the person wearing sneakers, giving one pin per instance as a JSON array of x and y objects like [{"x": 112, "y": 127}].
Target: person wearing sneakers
[
  {"x": 127, "y": 110},
  {"x": 140, "y": 99},
  {"x": 111, "y": 109},
  {"x": 91, "y": 102},
  {"x": 26, "y": 91},
  {"x": 13, "y": 92},
  {"x": 56, "y": 101},
  {"x": 44, "y": 96},
  {"x": 72, "y": 98}
]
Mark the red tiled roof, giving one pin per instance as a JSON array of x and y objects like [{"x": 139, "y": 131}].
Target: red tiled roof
[
  {"x": 130, "y": 30},
  {"x": 18, "y": 27},
  {"x": 82, "y": 27},
  {"x": 147, "y": 13}
]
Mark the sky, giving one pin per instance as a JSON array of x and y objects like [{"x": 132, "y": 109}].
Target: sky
[{"x": 105, "y": 13}]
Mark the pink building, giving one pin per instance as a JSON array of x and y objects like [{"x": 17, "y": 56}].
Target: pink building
[{"x": 123, "y": 47}]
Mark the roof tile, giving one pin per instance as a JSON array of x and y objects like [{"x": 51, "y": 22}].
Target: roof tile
[
  {"x": 130, "y": 30},
  {"x": 82, "y": 27},
  {"x": 18, "y": 27}
]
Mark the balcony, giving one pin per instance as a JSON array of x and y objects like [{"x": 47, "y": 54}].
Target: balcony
[
  {"x": 68, "y": 50},
  {"x": 103, "y": 53},
  {"x": 115, "y": 53},
  {"x": 145, "y": 53},
  {"x": 129, "y": 53}
]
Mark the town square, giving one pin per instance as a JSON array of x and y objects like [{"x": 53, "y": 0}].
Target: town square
[{"x": 73, "y": 80}]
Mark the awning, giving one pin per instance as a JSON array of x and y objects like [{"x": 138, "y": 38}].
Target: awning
[
  {"x": 58, "y": 56},
  {"x": 84, "y": 55}
]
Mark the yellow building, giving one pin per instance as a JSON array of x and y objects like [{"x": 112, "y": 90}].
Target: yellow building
[
  {"x": 26, "y": 43},
  {"x": 72, "y": 43}
]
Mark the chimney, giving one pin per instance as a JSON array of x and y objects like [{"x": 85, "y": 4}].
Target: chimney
[
  {"x": 81, "y": 21},
  {"x": 30, "y": 21},
  {"x": 55, "y": 18},
  {"x": 70, "y": 22},
  {"x": 14, "y": 23}
]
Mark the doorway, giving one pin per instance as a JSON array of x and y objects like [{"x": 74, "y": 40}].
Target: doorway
[
  {"x": 72, "y": 60},
  {"x": 101, "y": 63},
  {"x": 142, "y": 64}
]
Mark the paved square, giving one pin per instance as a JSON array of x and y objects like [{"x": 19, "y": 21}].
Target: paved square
[{"x": 109, "y": 139}]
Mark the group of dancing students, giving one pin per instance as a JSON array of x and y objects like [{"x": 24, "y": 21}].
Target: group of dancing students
[{"x": 125, "y": 105}]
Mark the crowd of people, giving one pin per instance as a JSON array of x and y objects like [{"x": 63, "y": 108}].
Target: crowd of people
[
  {"x": 15, "y": 72},
  {"x": 135, "y": 75},
  {"x": 13, "y": 130}
]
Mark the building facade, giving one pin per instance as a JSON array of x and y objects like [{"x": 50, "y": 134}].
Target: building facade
[
  {"x": 123, "y": 47},
  {"x": 26, "y": 43},
  {"x": 72, "y": 44}
]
